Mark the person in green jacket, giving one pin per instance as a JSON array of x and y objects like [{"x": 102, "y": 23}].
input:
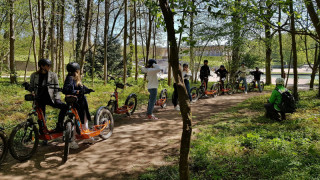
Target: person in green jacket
[{"x": 272, "y": 108}]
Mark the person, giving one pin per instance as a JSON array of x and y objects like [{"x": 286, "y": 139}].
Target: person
[
  {"x": 205, "y": 72},
  {"x": 74, "y": 86},
  {"x": 186, "y": 74},
  {"x": 272, "y": 107},
  {"x": 257, "y": 76},
  {"x": 40, "y": 83},
  {"x": 222, "y": 73},
  {"x": 242, "y": 71},
  {"x": 152, "y": 69}
]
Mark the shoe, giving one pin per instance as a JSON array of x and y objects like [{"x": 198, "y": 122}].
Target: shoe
[
  {"x": 245, "y": 92},
  {"x": 193, "y": 101},
  {"x": 74, "y": 145},
  {"x": 205, "y": 96},
  {"x": 152, "y": 117},
  {"x": 89, "y": 141},
  {"x": 177, "y": 108}
]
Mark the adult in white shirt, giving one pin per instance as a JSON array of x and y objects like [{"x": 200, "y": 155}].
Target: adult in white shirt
[
  {"x": 152, "y": 70},
  {"x": 186, "y": 74}
]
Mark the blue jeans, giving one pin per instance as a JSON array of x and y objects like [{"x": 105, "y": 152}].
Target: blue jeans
[
  {"x": 244, "y": 83},
  {"x": 187, "y": 84},
  {"x": 152, "y": 100}
]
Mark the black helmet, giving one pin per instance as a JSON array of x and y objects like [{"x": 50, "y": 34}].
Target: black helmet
[
  {"x": 205, "y": 61},
  {"x": 222, "y": 66},
  {"x": 43, "y": 62},
  {"x": 185, "y": 65},
  {"x": 151, "y": 62},
  {"x": 73, "y": 67}
]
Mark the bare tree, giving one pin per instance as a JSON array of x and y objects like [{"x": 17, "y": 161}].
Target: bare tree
[{"x": 13, "y": 77}]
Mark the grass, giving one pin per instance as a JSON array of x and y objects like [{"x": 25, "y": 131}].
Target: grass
[{"x": 240, "y": 143}]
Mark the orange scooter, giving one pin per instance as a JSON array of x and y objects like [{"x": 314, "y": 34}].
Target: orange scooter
[
  {"x": 202, "y": 90},
  {"x": 103, "y": 125}
]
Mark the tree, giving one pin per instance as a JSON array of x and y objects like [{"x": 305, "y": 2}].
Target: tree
[
  {"x": 106, "y": 27},
  {"x": 294, "y": 51},
  {"x": 13, "y": 77},
  {"x": 33, "y": 36},
  {"x": 125, "y": 36},
  {"x": 183, "y": 97}
]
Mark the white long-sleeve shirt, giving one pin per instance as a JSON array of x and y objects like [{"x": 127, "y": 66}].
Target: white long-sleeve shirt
[
  {"x": 152, "y": 76},
  {"x": 186, "y": 73}
]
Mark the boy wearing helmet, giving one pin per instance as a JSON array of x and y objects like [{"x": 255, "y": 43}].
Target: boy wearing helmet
[
  {"x": 205, "y": 72},
  {"x": 272, "y": 108},
  {"x": 152, "y": 69},
  {"x": 222, "y": 73},
  {"x": 242, "y": 71},
  {"x": 44, "y": 84}
]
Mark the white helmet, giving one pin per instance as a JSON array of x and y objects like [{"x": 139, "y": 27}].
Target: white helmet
[{"x": 280, "y": 81}]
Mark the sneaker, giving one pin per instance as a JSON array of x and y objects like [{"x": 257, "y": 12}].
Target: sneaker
[
  {"x": 74, "y": 145},
  {"x": 245, "y": 92},
  {"x": 88, "y": 141},
  {"x": 177, "y": 108},
  {"x": 152, "y": 117}
]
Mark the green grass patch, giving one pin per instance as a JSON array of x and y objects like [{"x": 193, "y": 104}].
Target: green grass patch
[{"x": 240, "y": 143}]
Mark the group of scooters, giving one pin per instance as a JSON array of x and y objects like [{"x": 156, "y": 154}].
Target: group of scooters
[{"x": 24, "y": 138}]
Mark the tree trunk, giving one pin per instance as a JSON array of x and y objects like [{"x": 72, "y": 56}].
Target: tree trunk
[
  {"x": 294, "y": 51},
  {"x": 52, "y": 35},
  {"x": 13, "y": 77},
  {"x": 315, "y": 67},
  {"x": 169, "y": 65},
  {"x": 149, "y": 36},
  {"x": 27, "y": 63},
  {"x": 125, "y": 36},
  {"x": 106, "y": 25},
  {"x": 313, "y": 15},
  {"x": 135, "y": 39},
  {"x": 183, "y": 97},
  {"x": 280, "y": 44},
  {"x": 131, "y": 21},
  {"x": 95, "y": 44},
  {"x": 79, "y": 19},
  {"x": 90, "y": 24},
  {"x": 44, "y": 30},
  {"x": 236, "y": 40},
  {"x": 40, "y": 29},
  {"x": 62, "y": 38},
  {"x": 191, "y": 42},
  {"x": 268, "y": 40},
  {"x": 85, "y": 38},
  {"x": 33, "y": 36}
]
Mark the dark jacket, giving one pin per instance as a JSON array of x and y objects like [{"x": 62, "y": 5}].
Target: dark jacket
[
  {"x": 70, "y": 88},
  {"x": 204, "y": 71},
  {"x": 222, "y": 73},
  {"x": 256, "y": 75}
]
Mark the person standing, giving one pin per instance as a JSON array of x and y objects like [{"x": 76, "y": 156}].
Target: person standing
[
  {"x": 257, "y": 76},
  {"x": 41, "y": 83},
  {"x": 205, "y": 73},
  {"x": 152, "y": 70},
  {"x": 186, "y": 74},
  {"x": 243, "y": 70},
  {"x": 222, "y": 73}
]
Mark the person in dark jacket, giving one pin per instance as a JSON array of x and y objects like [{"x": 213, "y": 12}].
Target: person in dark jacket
[
  {"x": 44, "y": 84},
  {"x": 257, "y": 76},
  {"x": 74, "y": 86},
  {"x": 205, "y": 72},
  {"x": 222, "y": 73}
]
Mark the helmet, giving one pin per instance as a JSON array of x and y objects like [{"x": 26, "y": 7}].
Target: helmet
[
  {"x": 184, "y": 65},
  {"x": 73, "y": 67},
  {"x": 151, "y": 62},
  {"x": 43, "y": 62},
  {"x": 243, "y": 63},
  {"x": 205, "y": 61},
  {"x": 222, "y": 66},
  {"x": 280, "y": 81}
]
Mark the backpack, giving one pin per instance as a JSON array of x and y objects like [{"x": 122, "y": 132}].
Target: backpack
[{"x": 288, "y": 103}]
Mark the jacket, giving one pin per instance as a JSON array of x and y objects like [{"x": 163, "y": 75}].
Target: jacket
[
  {"x": 276, "y": 97},
  {"x": 204, "y": 71},
  {"x": 70, "y": 87},
  {"x": 52, "y": 79},
  {"x": 256, "y": 75},
  {"x": 152, "y": 76},
  {"x": 243, "y": 71},
  {"x": 222, "y": 73}
]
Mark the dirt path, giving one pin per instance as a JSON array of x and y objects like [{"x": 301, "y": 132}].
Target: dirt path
[{"x": 137, "y": 143}]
